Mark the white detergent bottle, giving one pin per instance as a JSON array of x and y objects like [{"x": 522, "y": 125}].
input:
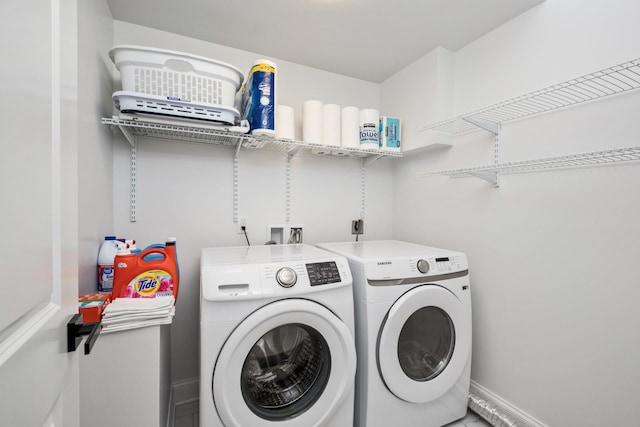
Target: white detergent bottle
[{"x": 107, "y": 253}]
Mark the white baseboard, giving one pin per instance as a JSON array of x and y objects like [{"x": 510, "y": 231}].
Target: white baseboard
[{"x": 505, "y": 405}]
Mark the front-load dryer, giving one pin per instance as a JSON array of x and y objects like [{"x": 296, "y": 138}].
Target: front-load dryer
[
  {"x": 276, "y": 337},
  {"x": 413, "y": 332}
]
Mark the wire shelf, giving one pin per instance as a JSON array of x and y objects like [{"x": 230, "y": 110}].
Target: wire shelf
[
  {"x": 229, "y": 138},
  {"x": 610, "y": 81},
  {"x": 591, "y": 158}
]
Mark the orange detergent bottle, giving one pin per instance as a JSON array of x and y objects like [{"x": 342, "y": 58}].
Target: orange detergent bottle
[{"x": 149, "y": 274}]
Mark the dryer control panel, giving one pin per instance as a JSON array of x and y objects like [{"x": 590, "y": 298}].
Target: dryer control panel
[
  {"x": 436, "y": 265},
  {"x": 419, "y": 266}
]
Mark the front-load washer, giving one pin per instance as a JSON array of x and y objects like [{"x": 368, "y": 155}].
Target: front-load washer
[
  {"x": 276, "y": 337},
  {"x": 413, "y": 332}
]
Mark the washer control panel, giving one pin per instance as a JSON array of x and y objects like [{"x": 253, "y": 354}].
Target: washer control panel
[{"x": 322, "y": 273}]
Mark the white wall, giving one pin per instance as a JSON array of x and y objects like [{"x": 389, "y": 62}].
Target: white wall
[
  {"x": 95, "y": 148},
  {"x": 552, "y": 254},
  {"x": 419, "y": 93},
  {"x": 186, "y": 190}
]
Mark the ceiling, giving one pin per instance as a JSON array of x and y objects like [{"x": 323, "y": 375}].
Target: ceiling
[{"x": 365, "y": 39}]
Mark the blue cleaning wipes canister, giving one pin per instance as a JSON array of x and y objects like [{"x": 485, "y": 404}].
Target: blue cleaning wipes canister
[{"x": 259, "y": 98}]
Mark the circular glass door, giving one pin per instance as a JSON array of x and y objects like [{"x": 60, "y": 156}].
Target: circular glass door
[
  {"x": 285, "y": 371},
  {"x": 289, "y": 363},
  {"x": 424, "y": 343}
]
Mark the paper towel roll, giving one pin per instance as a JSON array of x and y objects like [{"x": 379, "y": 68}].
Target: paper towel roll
[
  {"x": 350, "y": 127},
  {"x": 312, "y": 121},
  {"x": 369, "y": 122},
  {"x": 285, "y": 124},
  {"x": 331, "y": 125}
]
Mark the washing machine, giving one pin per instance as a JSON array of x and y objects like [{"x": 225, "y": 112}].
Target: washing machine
[
  {"x": 276, "y": 337},
  {"x": 413, "y": 332}
]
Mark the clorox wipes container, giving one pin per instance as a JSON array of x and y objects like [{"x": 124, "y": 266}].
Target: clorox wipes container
[
  {"x": 149, "y": 274},
  {"x": 259, "y": 98}
]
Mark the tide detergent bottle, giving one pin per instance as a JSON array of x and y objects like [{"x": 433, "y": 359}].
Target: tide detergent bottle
[{"x": 150, "y": 273}]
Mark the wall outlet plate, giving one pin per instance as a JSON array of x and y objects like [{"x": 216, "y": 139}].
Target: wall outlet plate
[
  {"x": 357, "y": 226},
  {"x": 283, "y": 234}
]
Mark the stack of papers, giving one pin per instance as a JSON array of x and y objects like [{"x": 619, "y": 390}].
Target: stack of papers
[{"x": 131, "y": 313}]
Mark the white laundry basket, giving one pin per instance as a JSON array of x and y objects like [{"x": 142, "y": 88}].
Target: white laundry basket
[{"x": 176, "y": 75}]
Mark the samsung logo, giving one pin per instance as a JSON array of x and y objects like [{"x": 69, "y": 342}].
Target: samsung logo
[{"x": 384, "y": 263}]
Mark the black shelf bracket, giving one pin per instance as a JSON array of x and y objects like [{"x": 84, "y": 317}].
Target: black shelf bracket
[{"x": 76, "y": 330}]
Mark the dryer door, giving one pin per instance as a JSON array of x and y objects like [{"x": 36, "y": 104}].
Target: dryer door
[
  {"x": 291, "y": 362},
  {"x": 424, "y": 343}
]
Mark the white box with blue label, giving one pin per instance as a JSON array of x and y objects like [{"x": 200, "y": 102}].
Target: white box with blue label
[{"x": 390, "y": 133}]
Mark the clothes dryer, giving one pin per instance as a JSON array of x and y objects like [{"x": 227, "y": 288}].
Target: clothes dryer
[
  {"x": 413, "y": 332},
  {"x": 276, "y": 337}
]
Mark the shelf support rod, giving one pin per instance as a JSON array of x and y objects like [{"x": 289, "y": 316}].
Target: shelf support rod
[
  {"x": 494, "y": 128},
  {"x": 373, "y": 159},
  {"x": 127, "y": 135},
  {"x": 496, "y": 153},
  {"x": 287, "y": 200},
  {"x": 294, "y": 152},
  {"x": 487, "y": 125},
  {"x": 491, "y": 177},
  {"x": 363, "y": 181},
  {"x": 132, "y": 182},
  {"x": 235, "y": 182}
]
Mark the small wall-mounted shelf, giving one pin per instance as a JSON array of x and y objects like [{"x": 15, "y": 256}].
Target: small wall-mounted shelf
[
  {"x": 230, "y": 137},
  {"x": 610, "y": 81}
]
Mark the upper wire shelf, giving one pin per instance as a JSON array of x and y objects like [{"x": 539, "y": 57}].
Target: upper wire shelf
[
  {"x": 610, "y": 81},
  {"x": 228, "y": 138}
]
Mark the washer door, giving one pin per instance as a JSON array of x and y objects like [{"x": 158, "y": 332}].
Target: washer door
[
  {"x": 290, "y": 362},
  {"x": 424, "y": 343}
]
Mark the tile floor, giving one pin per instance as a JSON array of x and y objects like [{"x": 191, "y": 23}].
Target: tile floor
[
  {"x": 187, "y": 416},
  {"x": 471, "y": 420}
]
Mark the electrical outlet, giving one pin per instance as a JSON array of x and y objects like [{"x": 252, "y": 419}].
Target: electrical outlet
[
  {"x": 357, "y": 226},
  {"x": 242, "y": 222}
]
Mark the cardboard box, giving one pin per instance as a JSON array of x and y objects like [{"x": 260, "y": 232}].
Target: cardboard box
[{"x": 91, "y": 306}]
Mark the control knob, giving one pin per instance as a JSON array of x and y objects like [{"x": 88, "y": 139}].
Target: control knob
[
  {"x": 286, "y": 277},
  {"x": 423, "y": 266}
]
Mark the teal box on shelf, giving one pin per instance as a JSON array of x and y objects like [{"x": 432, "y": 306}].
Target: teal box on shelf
[{"x": 390, "y": 133}]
